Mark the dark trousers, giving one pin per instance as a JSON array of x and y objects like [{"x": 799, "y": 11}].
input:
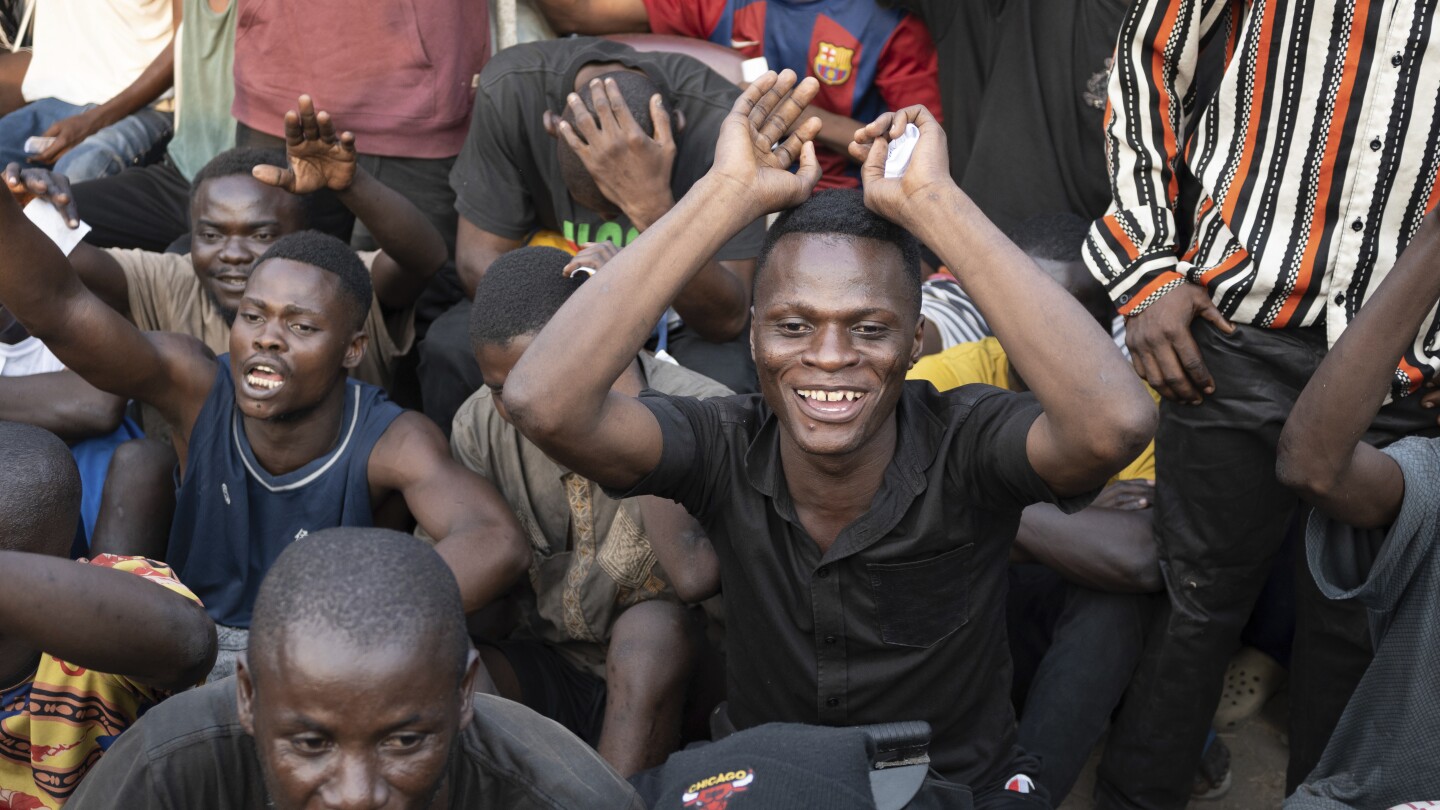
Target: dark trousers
[
  {"x": 1220, "y": 520},
  {"x": 449, "y": 375},
  {"x": 1074, "y": 650},
  {"x": 146, "y": 207}
]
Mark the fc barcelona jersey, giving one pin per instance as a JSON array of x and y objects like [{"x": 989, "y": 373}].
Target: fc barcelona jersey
[{"x": 868, "y": 59}]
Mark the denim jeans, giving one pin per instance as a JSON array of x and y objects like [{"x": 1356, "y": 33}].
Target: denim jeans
[{"x": 132, "y": 141}]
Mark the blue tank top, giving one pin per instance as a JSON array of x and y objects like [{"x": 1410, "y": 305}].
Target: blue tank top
[{"x": 232, "y": 518}]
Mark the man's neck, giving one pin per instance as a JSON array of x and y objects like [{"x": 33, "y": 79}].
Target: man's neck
[
  {"x": 283, "y": 446},
  {"x": 831, "y": 492}
]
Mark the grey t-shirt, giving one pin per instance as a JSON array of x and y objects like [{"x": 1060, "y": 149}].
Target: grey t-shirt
[
  {"x": 190, "y": 752},
  {"x": 1386, "y": 749}
]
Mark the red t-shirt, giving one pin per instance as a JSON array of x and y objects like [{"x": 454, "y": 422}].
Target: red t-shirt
[{"x": 868, "y": 59}]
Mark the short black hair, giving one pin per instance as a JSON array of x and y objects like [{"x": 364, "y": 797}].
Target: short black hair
[
  {"x": 331, "y": 255},
  {"x": 841, "y": 213},
  {"x": 636, "y": 88},
  {"x": 519, "y": 294},
  {"x": 371, "y": 586},
  {"x": 1058, "y": 237},
  {"x": 39, "y": 491},
  {"x": 240, "y": 161}
]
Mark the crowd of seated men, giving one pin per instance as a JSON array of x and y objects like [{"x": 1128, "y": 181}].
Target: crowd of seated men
[{"x": 726, "y": 404}]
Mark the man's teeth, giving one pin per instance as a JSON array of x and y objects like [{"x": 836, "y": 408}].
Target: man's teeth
[
  {"x": 261, "y": 382},
  {"x": 830, "y": 396}
]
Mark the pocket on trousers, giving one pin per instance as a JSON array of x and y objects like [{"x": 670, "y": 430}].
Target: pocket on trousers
[{"x": 921, "y": 602}]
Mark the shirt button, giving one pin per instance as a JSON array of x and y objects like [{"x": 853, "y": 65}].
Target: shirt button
[
  {"x": 1339, "y": 298},
  {"x": 1357, "y": 225},
  {"x": 1375, "y": 145},
  {"x": 1396, "y": 60},
  {"x": 823, "y": 572},
  {"x": 832, "y": 702},
  {"x": 831, "y": 639}
]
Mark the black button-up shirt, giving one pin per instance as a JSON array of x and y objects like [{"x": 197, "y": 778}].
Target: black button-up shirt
[{"x": 904, "y": 617}]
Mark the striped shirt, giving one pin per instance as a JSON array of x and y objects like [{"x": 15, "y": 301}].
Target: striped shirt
[{"x": 1315, "y": 157}]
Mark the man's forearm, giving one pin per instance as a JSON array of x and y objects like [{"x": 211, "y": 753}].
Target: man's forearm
[
  {"x": 584, "y": 354},
  {"x": 1093, "y": 400},
  {"x": 36, "y": 280},
  {"x": 1103, "y": 549},
  {"x": 158, "y": 77},
  {"x": 61, "y": 403},
  {"x": 106, "y": 620},
  {"x": 715, "y": 303},
  {"x": 484, "y": 569},
  {"x": 1322, "y": 437},
  {"x": 402, "y": 232}
]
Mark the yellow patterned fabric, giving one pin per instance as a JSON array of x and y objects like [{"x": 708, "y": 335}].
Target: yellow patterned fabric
[
  {"x": 984, "y": 361},
  {"x": 55, "y": 725}
]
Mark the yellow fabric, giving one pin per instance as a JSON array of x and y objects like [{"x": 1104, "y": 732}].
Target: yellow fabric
[
  {"x": 553, "y": 239},
  {"x": 55, "y": 726},
  {"x": 984, "y": 361}
]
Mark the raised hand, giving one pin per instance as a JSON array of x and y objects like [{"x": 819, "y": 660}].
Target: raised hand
[
  {"x": 28, "y": 184},
  {"x": 753, "y": 150},
  {"x": 902, "y": 199},
  {"x": 318, "y": 157},
  {"x": 631, "y": 168}
]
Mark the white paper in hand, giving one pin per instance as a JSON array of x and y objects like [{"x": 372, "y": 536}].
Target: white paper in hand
[
  {"x": 47, "y": 219},
  {"x": 897, "y": 158}
]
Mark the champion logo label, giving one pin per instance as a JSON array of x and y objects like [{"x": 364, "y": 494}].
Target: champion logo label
[
  {"x": 1020, "y": 783},
  {"x": 225, "y": 490}
]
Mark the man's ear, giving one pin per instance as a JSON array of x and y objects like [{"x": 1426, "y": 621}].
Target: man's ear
[
  {"x": 919, "y": 347},
  {"x": 467, "y": 688},
  {"x": 355, "y": 352},
  {"x": 552, "y": 124},
  {"x": 245, "y": 695}
]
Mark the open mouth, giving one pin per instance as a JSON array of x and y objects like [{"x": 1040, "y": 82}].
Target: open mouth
[
  {"x": 232, "y": 283},
  {"x": 830, "y": 404},
  {"x": 264, "y": 378}
]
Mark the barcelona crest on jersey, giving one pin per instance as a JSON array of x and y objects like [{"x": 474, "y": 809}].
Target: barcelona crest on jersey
[{"x": 834, "y": 64}]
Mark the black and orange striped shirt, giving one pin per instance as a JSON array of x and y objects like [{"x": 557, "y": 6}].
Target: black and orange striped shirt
[{"x": 1315, "y": 157}]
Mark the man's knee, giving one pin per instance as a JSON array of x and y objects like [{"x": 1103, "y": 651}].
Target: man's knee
[{"x": 653, "y": 646}]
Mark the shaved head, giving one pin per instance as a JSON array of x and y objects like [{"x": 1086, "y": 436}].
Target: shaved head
[
  {"x": 371, "y": 588},
  {"x": 39, "y": 491}
]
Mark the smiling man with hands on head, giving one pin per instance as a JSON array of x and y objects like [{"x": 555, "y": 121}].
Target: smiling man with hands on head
[{"x": 862, "y": 525}]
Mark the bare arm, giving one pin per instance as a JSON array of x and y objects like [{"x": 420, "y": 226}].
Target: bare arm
[
  {"x": 475, "y": 251},
  {"x": 633, "y": 170},
  {"x": 1097, "y": 414},
  {"x": 106, "y": 620},
  {"x": 98, "y": 269},
  {"x": 1108, "y": 546},
  {"x": 595, "y": 17},
  {"x": 559, "y": 395},
  {"x": 412, "y": 250},
  {"x": 40, "y": 288},
  {"x": 1321, "y": 454},
  {"x": 158, "y": 77},
  {"x": 475, "y": 531},
  {"x": 61, "y": 403},
  {"x": 682, "y": 548}
]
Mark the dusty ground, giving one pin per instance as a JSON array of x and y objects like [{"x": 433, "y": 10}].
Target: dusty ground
[{"x": 1257, "y": 761}]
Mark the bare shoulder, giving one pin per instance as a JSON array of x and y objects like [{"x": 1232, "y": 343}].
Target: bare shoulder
[{"x": 408, "y": 449}]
